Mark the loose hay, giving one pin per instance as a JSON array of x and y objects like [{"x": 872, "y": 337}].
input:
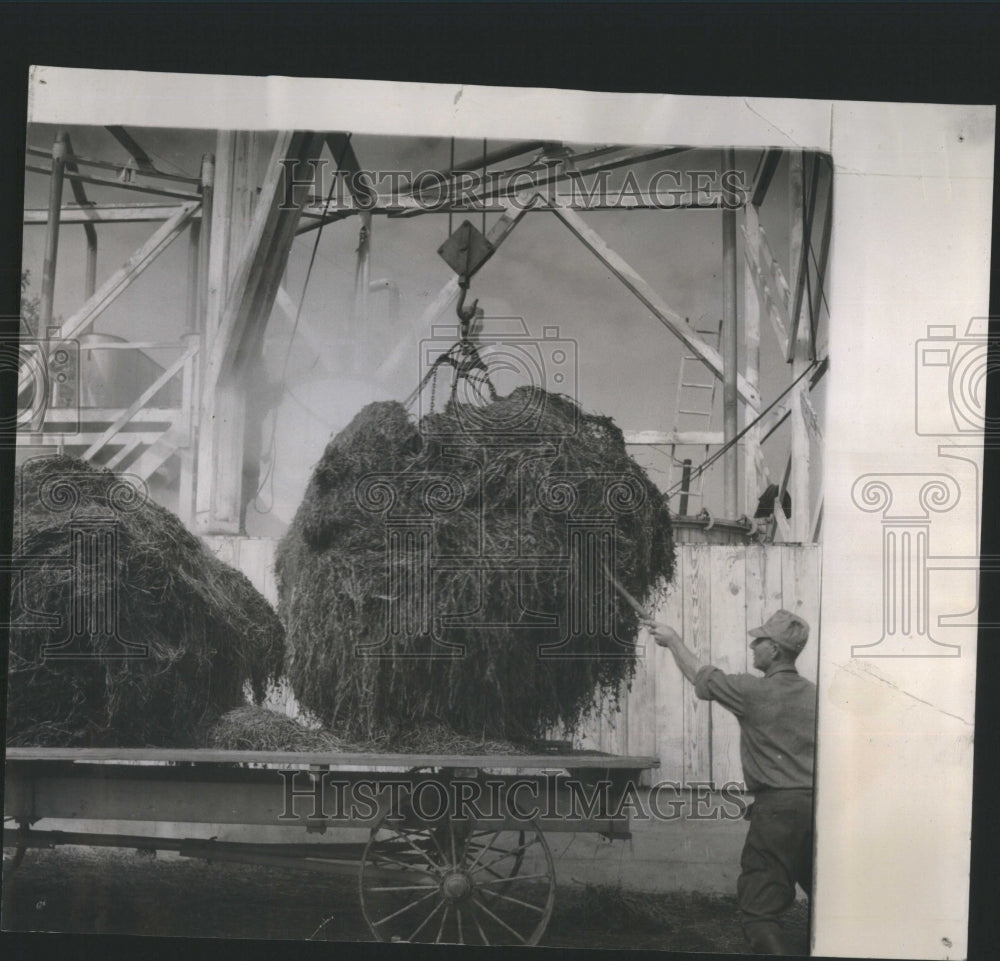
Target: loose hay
[
  {"x": 478, "y": 486},
  {"x": 439, "y": 739},
  {"x": 209, "y": 633},
  {"x": 253, "y": 728}
]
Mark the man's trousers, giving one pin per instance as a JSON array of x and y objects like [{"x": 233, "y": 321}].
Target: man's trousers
[{"x": 777, "y": 855}]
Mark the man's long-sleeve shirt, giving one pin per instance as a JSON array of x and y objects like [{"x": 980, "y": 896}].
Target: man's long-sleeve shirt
[{"x": 777, "y": 715}]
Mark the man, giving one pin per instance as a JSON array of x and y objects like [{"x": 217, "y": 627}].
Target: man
[{"x": 777, "y": 715}]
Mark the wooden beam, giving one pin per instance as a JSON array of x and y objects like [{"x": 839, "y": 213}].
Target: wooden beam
[
  {"x": 632, "y": 155},
  {"x": 754, "y": 466},
  {"x": 236, "y": 343},
  {"x": 147, "y": 395},
  {"x": 59, "y": 150},
  {"x": 346, "y": 159},
  {"x": 475, "y": 164},
  {"x": 659, "y": 438},
  {"x": 119, "y": 184},
  {"x": 157, "y": 454},
  {"x": 217, "y": 272},
  {"x": 673, "y": 321},
  {"x": 780, "y": 412},
  {"x": 784, "y": 531},
  {"x": 80, "y": 196},
  {"x": 823, "y": 259},
  {"x": 258, "y": 272},
  {"x": 75, "y": 440},
  {"x": 806, "y": 216},
  {"x": 244, "y": 193},
  {"x": 128, "y": 142},
  {"x": 769, "y": 282},
  {"x": 799, "y": 484},
  {"x": 91, "y": 419},
  {"x": 111, "y": 213},
  {"x": 730, "y": 347},
  {"x": 769, "y": 165},
  {"x": 817, "y": 521},
  {"x": 406, "y": 207},
  {"x": 94, "y": 213},
  {"x": 126, "y": 171},
  {"x": 189, "y": 760},
  {"x": 121, "y": 279},
  {"x": 127, "y": 449}
]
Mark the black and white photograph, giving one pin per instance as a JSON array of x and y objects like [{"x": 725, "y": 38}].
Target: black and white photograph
[{"x": 442, "y": 517}]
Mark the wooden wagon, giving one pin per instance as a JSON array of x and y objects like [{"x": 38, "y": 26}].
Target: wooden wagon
[{"x": 456, "y": 848}]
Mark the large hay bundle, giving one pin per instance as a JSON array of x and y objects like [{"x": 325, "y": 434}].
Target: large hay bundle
[
  {"x": 115, "y": 567},
  {"x": 426, "y": 566}
]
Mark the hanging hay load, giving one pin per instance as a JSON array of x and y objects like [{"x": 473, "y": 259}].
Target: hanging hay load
[
  {"x": 452, "y": 572},
  {"x": 126, "y": 631}
]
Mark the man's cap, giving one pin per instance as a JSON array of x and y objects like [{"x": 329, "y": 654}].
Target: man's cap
[{"x": 786, "y": 629}]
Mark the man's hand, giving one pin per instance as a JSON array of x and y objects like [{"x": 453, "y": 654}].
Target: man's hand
[
  {"x": 666, "y": 636},
  {"x": 663, "y": 634}
]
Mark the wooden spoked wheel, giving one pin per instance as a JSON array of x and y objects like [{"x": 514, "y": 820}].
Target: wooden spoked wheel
[{"x": 456, "y": 882}]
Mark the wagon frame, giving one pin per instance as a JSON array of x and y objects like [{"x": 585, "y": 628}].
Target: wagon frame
[{"x": 454, "y": 874}]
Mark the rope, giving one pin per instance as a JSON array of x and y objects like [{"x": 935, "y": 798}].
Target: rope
[{"x": 708, "y": 462}]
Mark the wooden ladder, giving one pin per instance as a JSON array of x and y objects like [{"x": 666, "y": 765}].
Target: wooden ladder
[{"x": 694, "y": 410}]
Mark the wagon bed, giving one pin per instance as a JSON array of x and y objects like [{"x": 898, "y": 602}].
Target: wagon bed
[{"x": 473, "y": 868}]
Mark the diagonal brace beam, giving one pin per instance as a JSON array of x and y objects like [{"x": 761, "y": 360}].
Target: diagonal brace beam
[
  {"x": 265, "y": 255},
  {"x": 126, "y": 139},
  {"x": 144, "y": 398},
  {"x": 120, "y": 280},
  {"x": 661, "y": 310}
]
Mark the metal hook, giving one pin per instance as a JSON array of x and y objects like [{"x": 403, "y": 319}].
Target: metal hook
[{"x": 465, "y": 314}]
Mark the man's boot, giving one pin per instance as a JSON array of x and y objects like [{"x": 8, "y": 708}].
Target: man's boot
[{"x": 766, "y": 937}]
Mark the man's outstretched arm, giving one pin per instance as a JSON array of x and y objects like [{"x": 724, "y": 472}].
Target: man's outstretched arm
[{"x": 686, "y": 659}]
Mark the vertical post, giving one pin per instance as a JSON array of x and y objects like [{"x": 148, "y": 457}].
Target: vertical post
[
  {"x": 754, "y": 468},
  {"x": 189, "y": 406},
  {"x": 799, "y": 453},
  {"x": 205, "y": 239},
  {"x": 191, "y": 392},
  {"x": 243, "y": 196},
  {"x": 247, "y": 457},
  {"x": 362, "y": 281},
  {"x": 685, "y": 487},
  {"x": 227, "y": 405},
  {"x": 90, "y": 278},
  {"x": 730, "y": 403},
  {"x": 59, "y": 151},
  {"x": 193, "y": 264},
  {"x": 190, "y": 490},
  {"x": 217, "y": 275}
]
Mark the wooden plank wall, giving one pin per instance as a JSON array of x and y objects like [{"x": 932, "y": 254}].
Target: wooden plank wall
[{"x": 719, "y": 592}]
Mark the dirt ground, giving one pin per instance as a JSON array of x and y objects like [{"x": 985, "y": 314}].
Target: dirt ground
[{"x": 83, "y": 890}]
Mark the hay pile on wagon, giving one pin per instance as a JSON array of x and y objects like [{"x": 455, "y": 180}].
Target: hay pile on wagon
[
  {"x": 126, "y": 631},
  {"x": 257, "y": 728},
  {"x": 449, "y": 572}
]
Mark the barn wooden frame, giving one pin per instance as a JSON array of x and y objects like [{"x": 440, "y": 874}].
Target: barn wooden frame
[{"x": 240, "y": 234}]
